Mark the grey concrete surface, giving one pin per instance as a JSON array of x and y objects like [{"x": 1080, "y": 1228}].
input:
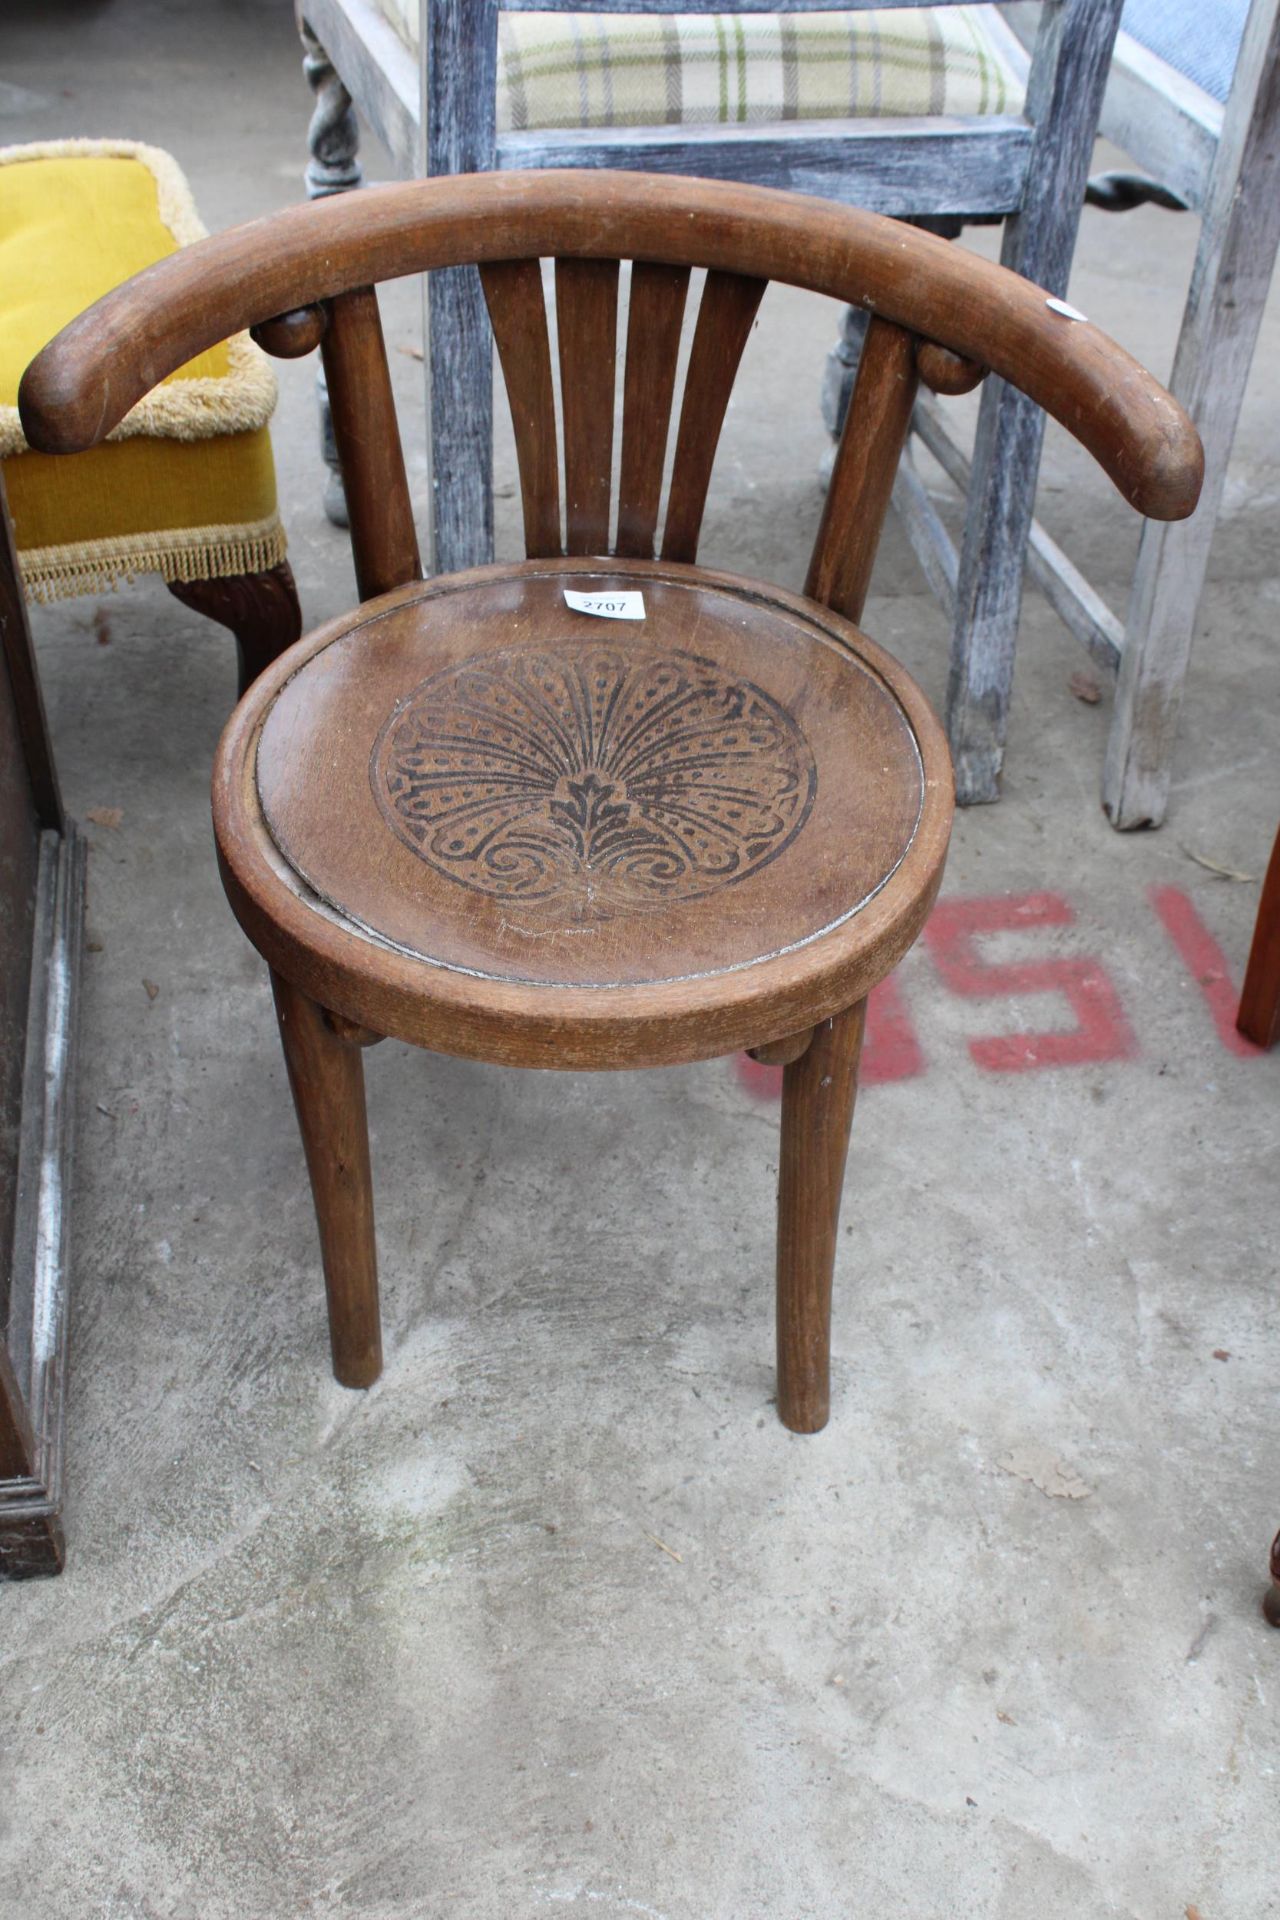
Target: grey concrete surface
[{"x": 557, "y": 1619}]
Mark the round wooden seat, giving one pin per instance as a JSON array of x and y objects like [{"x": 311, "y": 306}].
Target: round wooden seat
[{"x": 475, "y": 817}]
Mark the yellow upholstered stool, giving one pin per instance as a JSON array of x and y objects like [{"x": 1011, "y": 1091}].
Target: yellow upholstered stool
[{"x": 185, "y": 486}]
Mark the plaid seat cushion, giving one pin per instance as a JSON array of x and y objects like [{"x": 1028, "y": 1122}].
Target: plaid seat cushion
[{"x": 640, "y": 70}]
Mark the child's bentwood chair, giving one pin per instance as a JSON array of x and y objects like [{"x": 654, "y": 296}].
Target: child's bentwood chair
[{"x": 483, "y": 814}]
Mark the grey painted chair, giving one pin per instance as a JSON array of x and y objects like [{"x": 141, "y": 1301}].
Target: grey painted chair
[
  {"x": 1194, "y": 97},
  {"x": 1027, "y": 168}
]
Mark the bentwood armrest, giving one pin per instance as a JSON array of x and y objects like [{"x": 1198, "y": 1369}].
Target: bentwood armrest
[{"x": 86, "y": 380}]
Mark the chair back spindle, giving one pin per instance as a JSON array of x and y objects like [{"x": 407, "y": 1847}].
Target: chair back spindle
[
  {"x": 384, "y": 541},
  {"x": 875, "y": 430},
  {"x": 517, "y": 310},
  {"x": 654, "y": 321},
  {"x": 730, "y": 302},
  {"x": 587, "y": 327}
]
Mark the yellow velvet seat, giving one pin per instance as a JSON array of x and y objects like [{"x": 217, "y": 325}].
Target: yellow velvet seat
[{"x": 185, "y": 486}]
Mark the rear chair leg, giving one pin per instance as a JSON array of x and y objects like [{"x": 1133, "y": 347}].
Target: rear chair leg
[
  {"x": 326, "y": 1076},
  {"x": 818, "y": 1092}
]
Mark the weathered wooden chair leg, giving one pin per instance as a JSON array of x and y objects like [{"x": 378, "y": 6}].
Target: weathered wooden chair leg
[
  {"x": 1271, "y": 1604},
  {"x": 261, "y": 610},
  {"x": 818, "y": 1093},
  {"x": 1259, "y": 1015},
  {"x": 326, "y": 1075},
  {"x": 333, "y": 139}
]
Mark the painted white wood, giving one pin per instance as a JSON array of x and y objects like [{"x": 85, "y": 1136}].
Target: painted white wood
[
  {"x": 1075, "y": 602},
  {"x": 922, "y": 523},
  {"x": 1064, "y": 96},
  {"x": 885, "y": 166},
  {"x": 1150, "y": 109},
  {"x": 1239, "y": 237}
]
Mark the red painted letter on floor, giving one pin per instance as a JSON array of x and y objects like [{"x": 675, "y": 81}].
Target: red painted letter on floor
[
  {"x": 1102, "y": 1032},
  {"x": 890, "y": 1049}
]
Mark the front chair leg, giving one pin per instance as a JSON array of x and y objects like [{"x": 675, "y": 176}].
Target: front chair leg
[
  {"x": 326, "y": 1076},
  {"x": 818, "y": 1092}
]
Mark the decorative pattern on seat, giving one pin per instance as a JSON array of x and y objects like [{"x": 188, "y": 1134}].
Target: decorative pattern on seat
[
  {"x": 588, "y": 774},
  {"x": 185, "y": 485},
  {"x": 633, "y": 70}
]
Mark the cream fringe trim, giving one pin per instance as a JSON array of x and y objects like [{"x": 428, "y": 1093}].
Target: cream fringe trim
[
  {"x": 237, "y": 402},
  {"x": 187, "y": 553}
]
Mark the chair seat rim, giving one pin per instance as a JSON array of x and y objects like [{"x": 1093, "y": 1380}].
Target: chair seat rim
[{"x": 378, "y": 986}]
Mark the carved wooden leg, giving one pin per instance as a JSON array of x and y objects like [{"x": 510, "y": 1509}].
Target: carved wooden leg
[
  {"x": 327, "y": 1079},
  {"x": 32, "y": 1549},
  {"x": 261, "y": 610},
  {"x": 818, "y": 1093},
  {"x": 333, "y": 139},
  {"x": 1271, "y": 1605},
  {"x": 1259, "y": 1015}
]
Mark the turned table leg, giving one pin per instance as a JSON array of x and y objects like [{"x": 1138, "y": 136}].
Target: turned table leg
[
  {"x": 326, "y": 1076},
  {"x": 261, "y": 610},
  {"x": 818, "y": 1093},
  {"x": 333, "y": 140}
]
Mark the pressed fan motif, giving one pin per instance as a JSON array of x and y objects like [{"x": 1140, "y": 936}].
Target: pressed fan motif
[{"x": 593, "y": 777}]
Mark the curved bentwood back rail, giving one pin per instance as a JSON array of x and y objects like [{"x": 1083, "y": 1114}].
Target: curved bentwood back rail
[{"x": 938, "y": 314}]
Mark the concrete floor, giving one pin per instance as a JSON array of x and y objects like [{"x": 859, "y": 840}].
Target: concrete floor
[{"x": 558, "y": 1619}]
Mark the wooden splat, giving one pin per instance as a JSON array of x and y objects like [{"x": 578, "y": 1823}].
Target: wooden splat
[
  {"x": 517, "y": 308},
  {"x": 730, "y": 302},
  {"x": 658, "y": 296},
  {"x": 587, "y": 329}
]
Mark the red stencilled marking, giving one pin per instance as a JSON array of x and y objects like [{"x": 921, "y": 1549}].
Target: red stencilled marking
[
  {"x": 1205, "y": 962},
  {"x": 761, "y": 1082},
  {"x": 1103, "y": 1031},
  {"x": 890, "y": 1049}
]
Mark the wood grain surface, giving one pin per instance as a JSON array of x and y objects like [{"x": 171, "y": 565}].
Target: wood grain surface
[{"x": 85, "y": 380}]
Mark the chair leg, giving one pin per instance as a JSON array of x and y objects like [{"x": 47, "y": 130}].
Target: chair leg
[
  {"x": 261, "y": 610},
  {"x": 1001, "y": 497},
  {"x": 326, "y": 1076},
  {"x": 818, "y": 1092},
  {"x": 1259, "y": 1015},
  {"x": 460, "y": 387},
  {"x": 1271, "y": 1604}
]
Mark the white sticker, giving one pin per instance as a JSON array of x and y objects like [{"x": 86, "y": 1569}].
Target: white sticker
[
  {"x": 607, "y": 606},
  {"x": 1067, "y": 311}
]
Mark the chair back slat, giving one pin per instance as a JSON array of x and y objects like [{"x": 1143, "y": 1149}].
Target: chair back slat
[
  {"x": 384, "y": 540},
  {"x": 728, "y": 309},
  {"x": 654, "y": 320},
  {"x": 517, "y": 308},
  {"x": 587, "y": 328},
  {"x": 875, "y": 430}
]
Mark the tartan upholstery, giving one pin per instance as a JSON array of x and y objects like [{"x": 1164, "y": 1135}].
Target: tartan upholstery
[{"x": 633, "y": 70}]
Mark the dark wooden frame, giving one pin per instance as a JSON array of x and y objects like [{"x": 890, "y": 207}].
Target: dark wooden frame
[{"x": 33, "y": 1357}]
